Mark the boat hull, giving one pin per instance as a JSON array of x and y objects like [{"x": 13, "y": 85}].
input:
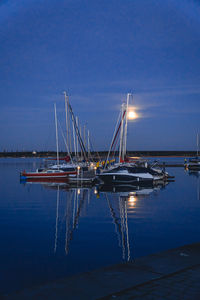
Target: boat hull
[
  {"x": 48, "y": 176},
  {"x": 127, "y": 179}
]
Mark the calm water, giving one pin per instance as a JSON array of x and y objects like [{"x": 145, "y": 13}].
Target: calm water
[{"x": 48, "y": 231}]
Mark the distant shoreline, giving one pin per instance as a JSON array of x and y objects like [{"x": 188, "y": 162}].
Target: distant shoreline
[{"x": 46, "y": 154}]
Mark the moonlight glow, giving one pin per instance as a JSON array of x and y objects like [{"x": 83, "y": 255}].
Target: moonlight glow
[{"x": 132, "y": 115}]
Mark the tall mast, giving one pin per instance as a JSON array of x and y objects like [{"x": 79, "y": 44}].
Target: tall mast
[
  {"x": 77, "y": 138},
  {"x": 56, "y": 124},
  {"x": 81, "y": 138},
  {"x": 121, "y": 133},
  {"x": 115, "y": 135},
  {"x": 84, "y": 137},
  {"x": 125, "y": 130},
  {"x": 88, "y": 144},
  {"x": 197, "y": 144},
  {"x": 74, "y": 137},
  {"x": 77, "y": 131},
  {"x": 67, "y": 121}
]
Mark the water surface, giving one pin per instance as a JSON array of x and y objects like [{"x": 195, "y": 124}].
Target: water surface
[{"x": 50, "y": 231}]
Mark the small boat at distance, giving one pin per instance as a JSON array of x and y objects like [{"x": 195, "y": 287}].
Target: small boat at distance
[{"x": 194, "y": 162}]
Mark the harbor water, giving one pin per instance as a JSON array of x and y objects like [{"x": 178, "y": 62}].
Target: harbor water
[{"x": 49, "y": 231}]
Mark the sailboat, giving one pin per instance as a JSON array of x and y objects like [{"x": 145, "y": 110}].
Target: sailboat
[
  {"x": 194, "y": 163},
  {"x": 126, "y": 172},
  {"x": 49, "y": 173},
  {"x": 77, "y": 162}
]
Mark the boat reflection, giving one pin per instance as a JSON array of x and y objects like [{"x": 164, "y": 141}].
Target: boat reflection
[{"x": 121, "y": 200}]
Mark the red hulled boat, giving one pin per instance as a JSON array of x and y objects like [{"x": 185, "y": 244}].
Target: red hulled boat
[{"x": 49, "y": 174}]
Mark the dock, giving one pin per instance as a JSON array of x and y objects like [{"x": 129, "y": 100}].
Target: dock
[
  {"x": 83, "y": 179},
  {"x": 171, "y": 274}
]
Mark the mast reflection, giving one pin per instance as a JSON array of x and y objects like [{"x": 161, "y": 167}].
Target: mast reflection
[
  {"x": 121, "y": 201},
  {"x": 74, "y": 205},
  {"x": 73, "y": 212}
]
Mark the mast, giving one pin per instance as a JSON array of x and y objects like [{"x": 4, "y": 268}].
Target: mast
[
  {"x": 77, "y": 131},
  {"x": 197, "y": 144},
  {"x": 67, "y": 123},
  {"x": 81, "y": 138},
  {"x": 84, "y": 137},
  {"x": 113, "y": 139},
  {"x": 74, "y": 137},
  {"x": 125, "y": 130},
  {"x": 121, "y": 133},
  {"x": 77, "y": 139},
  {"x": 88, "y": 143},
  {"x": 56, "y": 124}
]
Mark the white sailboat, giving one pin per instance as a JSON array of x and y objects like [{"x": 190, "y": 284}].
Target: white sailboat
[
  {"x": 51, "y": 173},
  {"x": 125, "y": 171}
]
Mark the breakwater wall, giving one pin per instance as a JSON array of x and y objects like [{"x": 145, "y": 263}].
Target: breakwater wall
[{"x": 147, "y": 153}]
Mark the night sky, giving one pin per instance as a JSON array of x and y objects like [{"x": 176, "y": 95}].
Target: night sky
[{"x": 98, "y": 51}]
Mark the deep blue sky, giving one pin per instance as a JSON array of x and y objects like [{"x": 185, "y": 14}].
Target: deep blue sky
[{"x": 99, "y": 50}]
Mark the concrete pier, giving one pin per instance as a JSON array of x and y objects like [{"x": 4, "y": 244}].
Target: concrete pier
[{"x": 172, "y": 274}]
